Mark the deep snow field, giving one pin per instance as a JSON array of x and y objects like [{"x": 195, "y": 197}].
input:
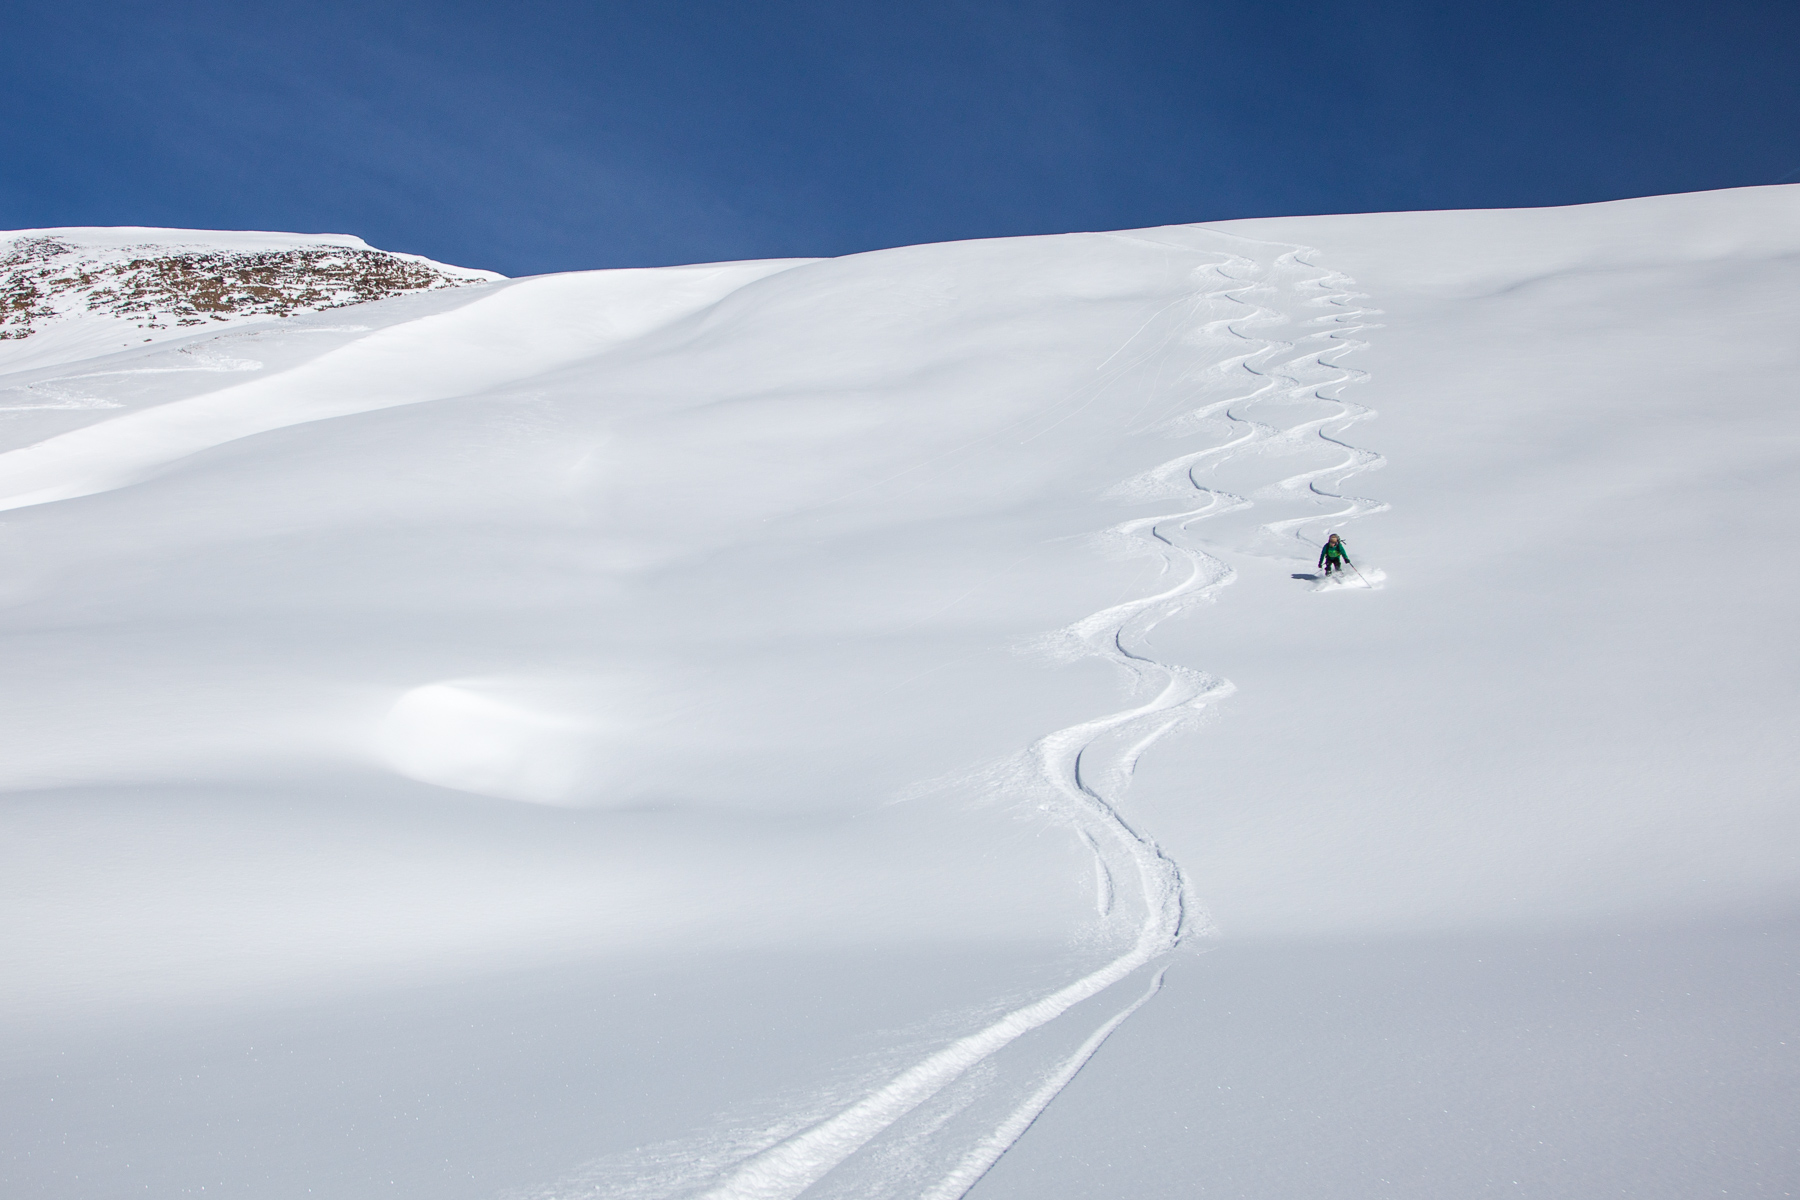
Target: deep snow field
[{"x": 870, "y": 728}]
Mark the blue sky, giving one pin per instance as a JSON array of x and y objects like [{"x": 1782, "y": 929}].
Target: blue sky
[{"x": 540, "y": 136}]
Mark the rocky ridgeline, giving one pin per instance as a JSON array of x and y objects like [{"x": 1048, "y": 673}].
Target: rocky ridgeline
[{"x": 43, "y": 278}]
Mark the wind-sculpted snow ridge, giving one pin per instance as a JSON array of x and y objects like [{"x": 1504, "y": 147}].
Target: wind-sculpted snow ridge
[
  {"x": 475, "y": 341},
  {"x": 1078, "y": 774}
]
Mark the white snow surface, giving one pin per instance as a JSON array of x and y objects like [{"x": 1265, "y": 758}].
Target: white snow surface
[{"x": 874, "y": 727}]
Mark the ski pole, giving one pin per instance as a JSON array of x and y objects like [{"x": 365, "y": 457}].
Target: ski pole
[{"x": 1359, "y": 575}]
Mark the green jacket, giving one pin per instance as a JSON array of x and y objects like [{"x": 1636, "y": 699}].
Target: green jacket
[{"x": 1334, "y": 551}]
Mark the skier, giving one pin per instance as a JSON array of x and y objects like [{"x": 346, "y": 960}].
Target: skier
[{"x": 1334, "y": 556}]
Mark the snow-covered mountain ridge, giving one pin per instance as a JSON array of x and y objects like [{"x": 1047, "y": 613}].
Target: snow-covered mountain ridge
[
  {"x": 872, "y": 728},
  {"x": 99, "y": 288}
]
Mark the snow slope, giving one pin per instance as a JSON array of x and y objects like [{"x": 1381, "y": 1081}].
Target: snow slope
[{"x": 870, "y": 727}]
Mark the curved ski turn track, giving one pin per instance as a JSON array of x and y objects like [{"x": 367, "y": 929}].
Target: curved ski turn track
[{"x": 1282, "y": 398}]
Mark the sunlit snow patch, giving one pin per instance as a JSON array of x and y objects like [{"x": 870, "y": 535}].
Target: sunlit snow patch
[{"x": 511, "y": 739}]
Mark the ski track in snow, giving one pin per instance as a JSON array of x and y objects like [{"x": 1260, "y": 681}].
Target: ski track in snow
[
  {"x": 1082, "y": 767},
  {"x": 978, "y": 1161}
]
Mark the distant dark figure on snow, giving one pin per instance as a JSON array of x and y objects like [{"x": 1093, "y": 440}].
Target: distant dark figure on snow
[{"x": 1335, "y": 556}]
